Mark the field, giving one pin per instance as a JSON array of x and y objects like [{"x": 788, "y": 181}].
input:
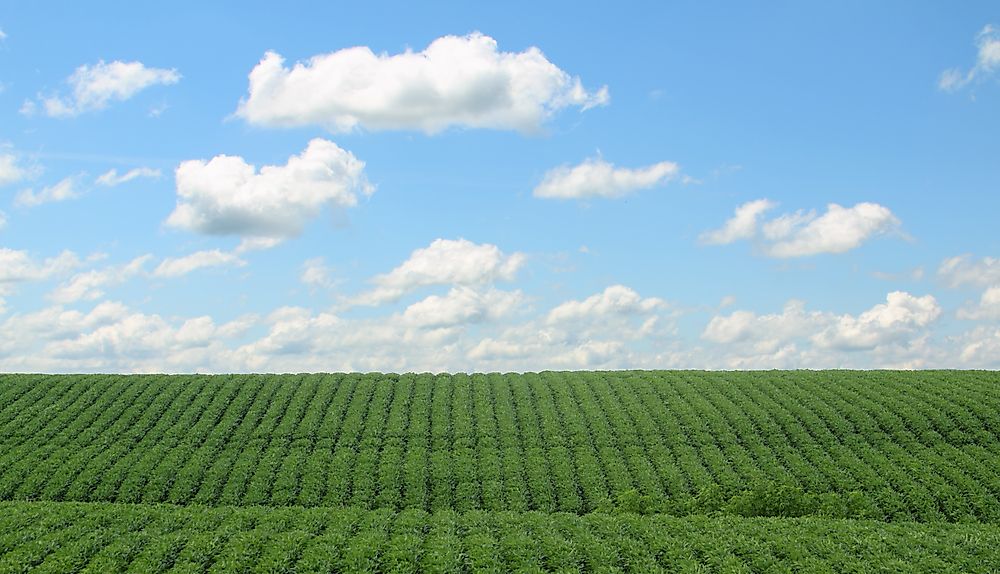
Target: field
[{"x": 591, "y": 471}]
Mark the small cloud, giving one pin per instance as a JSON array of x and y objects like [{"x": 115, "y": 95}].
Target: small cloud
[
  {"x": 727, "y": 301},
  {"x": 3, "y": 35},
  {"x": 598, "y": 178},
  {"x": 179, "y": 266},
  {"x": 62, "y": 191},
  {"x": 804, "y": 233},
  {"x": 228, "y": 196},
  {"x": 112, "y": 179},
  {"x": 94, "y": 87},
  {"x": 987, "y": 62}
]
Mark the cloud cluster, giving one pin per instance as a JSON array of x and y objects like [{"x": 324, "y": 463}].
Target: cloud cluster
[
  {"x": 462, "y": 81},
  {"x": 797, "y": 337},
  {"x": 800, "y": 234},
  {"x": 444, "y": 262},
  {"x": 94, "y": 87},
  {"x": 987, "y": 62},
  {"x": 598, "y": 178},
  {"x": 228, "y": 196}
]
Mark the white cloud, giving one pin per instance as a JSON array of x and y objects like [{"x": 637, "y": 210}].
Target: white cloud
[
  {"x": 444, "y": 262},
  {"x": 462, "y": 305},
  {"x": 64, "y": 190},
  {"x": 3, "y": 220},
  {"x": 111, "y": 177},
  {"x": 178, "y": 266},
  {"x": 899, "y": 317},
  {"x": 316, "y": 274},
  {"x": 964, "y": 270},
  {"x": 3, "y": 35},
  {"x": 801, "y": 234},
  {"x": 742, "y": 225},
  {"x": 456, "y": 81},
  {"x": 90, "y": 284},
  {"x": 987, "y": 62},
  {"x": 94, "y": 87},
  {"x": 614, "y": 300},
  {"x": 598, "y": 178},
  {"x": 18, "y": 266},
  {"x": 11, "y": 170},
  {"x": 980, "y": 347},
  {"x": 228, "y": 196},
  {"x": 987, "y": 308},
  {"x": 894, "y": 333}
]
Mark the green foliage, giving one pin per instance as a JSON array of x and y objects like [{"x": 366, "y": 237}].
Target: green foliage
[{"x": 491, "y": 472}]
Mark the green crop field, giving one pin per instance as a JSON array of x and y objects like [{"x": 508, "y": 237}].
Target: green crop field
[{"x": 785, "y": 471}]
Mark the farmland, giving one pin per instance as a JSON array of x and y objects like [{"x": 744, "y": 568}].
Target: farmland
[{"x": 636, "y": 470}]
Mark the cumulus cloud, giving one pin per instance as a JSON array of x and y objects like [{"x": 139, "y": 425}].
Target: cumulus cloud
[
  {"x": 461, "y": 81},
  {"x": 12, "y": 170},
  {"x": 598, "y": 178},
  {"x": 228, "y": 196},
  {"x": 444, "y": 262},
  {"x": 18, "y": 266},
  {"x": 800, "y": 234},
  {"x": 316, "y": 273},
  {"x": 94, "y": 87},
  {"x": 65, "y": 190},
  {"x": 987, "y": 308},
  {"x": 899, "y": 317},
  {"x": 614, "y": 300},
  {"x": 111, "y": 178},
  {"x": 987, "y": 62},
  {"x": 742, "y": 225},
  {"x": 965, "y": 270},
  {"x": 178, "y": 266},
  {"x": 462, "y": 305},
  {"x": 817, "y": 339},
  {"x": 91, "y": 284}
]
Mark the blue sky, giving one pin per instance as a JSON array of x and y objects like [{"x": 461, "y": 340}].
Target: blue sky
[{"x": 457, "y": 187}]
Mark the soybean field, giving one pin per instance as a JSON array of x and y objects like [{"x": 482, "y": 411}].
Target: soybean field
[{"x": 639, "y": 471}]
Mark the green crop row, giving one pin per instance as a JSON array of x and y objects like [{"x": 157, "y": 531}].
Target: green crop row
[
  {"x": 892, "y": 446},
  {"x": 104, "y": 537}
]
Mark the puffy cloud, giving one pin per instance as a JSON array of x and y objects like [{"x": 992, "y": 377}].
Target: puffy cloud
[
  {"x": 64, "y": 190},
  {"x": 598, "y": 178},
  {"x": 178, "y": 266},
  {"x": 614, "y": 300},
  {"x": 94, "y": 87},
  {"x": 987, "y": 62},
  {"x": 817, "y": 339},
  {"x": 12, "y": 170},
  {"x": 980, "y": 347},
  {"x": 456, "y": 81},
  {"x": 228, "y": 196},
  {"x": 742, "y": 225},
  {"x": 444, "y": 262},
  {"x": 18, "y": 266},
  {"x": 462, "y": 305},
  {"x": 112, "y": 179},
  {"x": 316, "y": 273},
  {"x": 800, "y": 234},
  {"x": 987, "y": 308},
  {"x": 90, "y": 284},
  {"x": 964, "y": 270},
  {"x": 899, "y": 317}
]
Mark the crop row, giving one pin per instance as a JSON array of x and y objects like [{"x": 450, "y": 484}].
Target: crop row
[
  {"x": 101, "y": 537},
  {"x": 885, "y": 445}
]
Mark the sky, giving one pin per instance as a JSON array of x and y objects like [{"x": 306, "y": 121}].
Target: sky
[{"x": 231, "y": 187}]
